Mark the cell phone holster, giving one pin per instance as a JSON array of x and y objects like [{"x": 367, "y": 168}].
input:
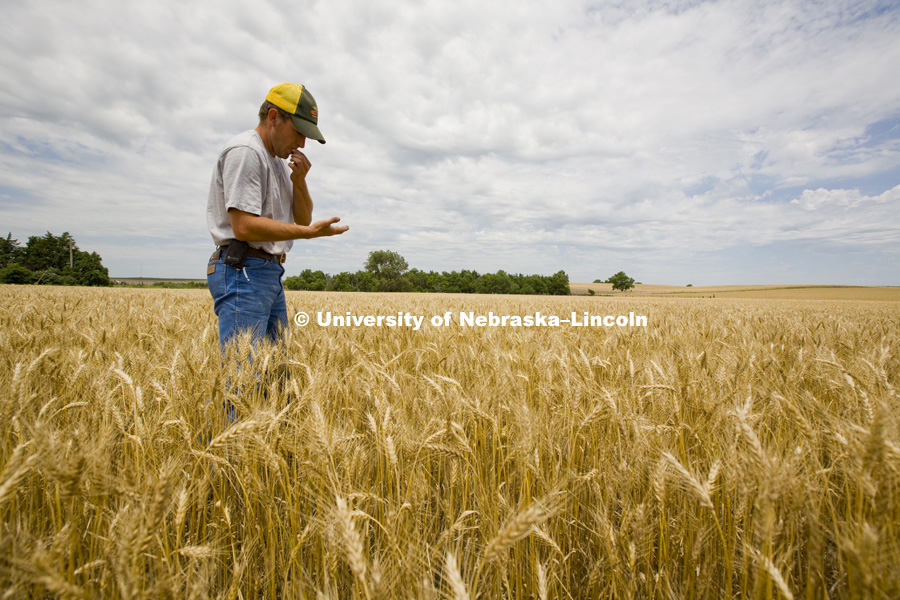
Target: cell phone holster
[{"x": 236, "y": 253}]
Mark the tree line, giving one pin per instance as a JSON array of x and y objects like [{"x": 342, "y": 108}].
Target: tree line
[
  {"x": 46, "y": 260},
  {"x": 387, "y": 271}
]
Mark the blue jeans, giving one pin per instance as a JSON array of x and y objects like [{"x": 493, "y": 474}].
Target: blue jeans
[{"x": 248, "y": 299}]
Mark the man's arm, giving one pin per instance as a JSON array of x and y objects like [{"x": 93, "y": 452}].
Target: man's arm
[
  {"x": 302, "y": 201},
  {"x": 248, "y": 227}
]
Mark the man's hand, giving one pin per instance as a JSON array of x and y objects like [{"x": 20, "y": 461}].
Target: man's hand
[
  {"x": 253, "y": 228},
  {"x": 327, "y": 227},
  {"x": 299, "y": 164}
]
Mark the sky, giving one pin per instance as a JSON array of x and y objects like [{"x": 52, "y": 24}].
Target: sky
[{"x": 710, "y": 143}]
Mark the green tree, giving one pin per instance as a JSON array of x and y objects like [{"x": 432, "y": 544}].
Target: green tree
[
  {"x": 538, "y": 284},
  {"x": 54, "y": 276},
  {"x": 88, "y": 269},
  {"x": 366, "y": 282},
  {"x": 10, "y": 251},
  {"x": 388, "y": 268},
  {"x": 307, "y": 280},
  {"x": 620, "y": 281},
  {"x": 47, "y": 257},
  {"x": 559, "y": 284},
  {"x": 15, "y": 274},
  {"x": 345, "y": 282},
  {"x": 292, "y": 283},
  {"x": 399, "y": 284},
  {"x": 451, "y": 282},
  {"x": 495, "y": 283},
  {"x": 418, "y": 280},
  {"x": 435, "y": 282},
  {"x": 48, "y": 252},
  {"x": 467, "y": 280},
  {"x": 386, "y": 263}
]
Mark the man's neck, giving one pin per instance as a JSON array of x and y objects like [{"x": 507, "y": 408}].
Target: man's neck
[{"x": 264, "y": 136}]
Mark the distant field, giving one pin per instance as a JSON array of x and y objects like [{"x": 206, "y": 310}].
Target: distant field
[
  {"x": 763, "y": 292},
  {"x": 150, "y": 281}
]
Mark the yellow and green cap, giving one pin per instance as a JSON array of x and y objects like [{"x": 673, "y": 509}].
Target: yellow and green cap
[{"x": 296, "y": 100}]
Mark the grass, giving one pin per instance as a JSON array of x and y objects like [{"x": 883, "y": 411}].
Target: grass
[{"x": 731, "y": 448}]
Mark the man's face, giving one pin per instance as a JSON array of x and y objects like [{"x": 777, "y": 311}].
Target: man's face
[{"x": 286, "y": 137}]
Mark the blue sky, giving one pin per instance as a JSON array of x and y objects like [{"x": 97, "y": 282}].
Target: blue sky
[{"x": 693, "y": 142}]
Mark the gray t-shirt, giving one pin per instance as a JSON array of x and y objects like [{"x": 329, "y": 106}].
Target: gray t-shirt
[{"x": 250, "y": 179}]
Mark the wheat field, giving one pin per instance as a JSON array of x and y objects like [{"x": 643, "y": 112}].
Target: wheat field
[
  {"x": 758, "y": 292},
  {"x": 730, "y": 448}
]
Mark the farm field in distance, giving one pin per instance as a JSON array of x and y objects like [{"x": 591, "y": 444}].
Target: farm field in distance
[
  {"x": 732, "y": 447},
  {"x": 762, "y": 292}
]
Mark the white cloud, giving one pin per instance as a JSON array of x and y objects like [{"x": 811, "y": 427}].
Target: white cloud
[{"x": 526, "y": 136}]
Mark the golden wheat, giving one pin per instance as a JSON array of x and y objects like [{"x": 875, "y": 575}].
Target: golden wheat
[{"x": 730, "y": 448}]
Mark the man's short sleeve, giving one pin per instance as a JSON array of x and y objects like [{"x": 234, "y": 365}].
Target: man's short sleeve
[{"x": 243, "y": 180}]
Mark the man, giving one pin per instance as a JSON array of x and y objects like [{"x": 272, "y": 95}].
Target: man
[{"x": 257, "y": 198}]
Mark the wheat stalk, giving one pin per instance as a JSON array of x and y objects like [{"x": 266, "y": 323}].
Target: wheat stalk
[
  {"x": 351, "y": 540},
  {"x": 515, "y": 529},
  {"x": 454, "y": 579}
]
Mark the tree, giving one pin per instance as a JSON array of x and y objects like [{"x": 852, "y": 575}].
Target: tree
[
  {"x": 386, "y": 263},
  {"x": 89, "y": 270},
  {"x": 459, "y": 282},
  {"x": 620, "y": 281},
  {"x": 559, "y": 284},
  {"x": 494, "y": 283},
  {"x": 47, "y": 260},
  {"x": 345, "y": 282},
  {"x": 307, "y": 280},
  {"x": 9, "y": 250},
  {"x": 537, "y": 284},
  {"x": 15, "y": 274},
  {"x": 434, "y": 282},
  {"x": 399, "y": 284},
  {"x": 54, "y": 276},
  {"x": 417, "y": 279},
  {"x": 388, "y": 268},
  {"x": 47, "y": 252}
]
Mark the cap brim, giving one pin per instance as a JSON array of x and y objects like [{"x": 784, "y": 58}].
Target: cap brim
[{"x": 307, "y": 129}]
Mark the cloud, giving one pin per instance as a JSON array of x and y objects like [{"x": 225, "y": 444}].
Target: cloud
[{"x": 521, "y": 135}]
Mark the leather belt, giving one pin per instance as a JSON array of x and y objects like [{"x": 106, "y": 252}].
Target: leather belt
[{"x": 251, "y": 251}]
